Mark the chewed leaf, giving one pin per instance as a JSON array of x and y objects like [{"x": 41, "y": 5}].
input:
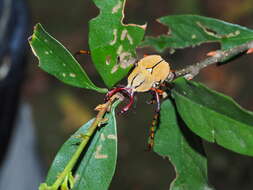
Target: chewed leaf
[
  {"x": 112, "y": 43},
  {"x": 55, "y": 59},
  {"x": 96, "y": 167},
  {"x": 192, "y": 30},
  {"x": 214, "y": 116},
  {"x": 183, "y": 148}
]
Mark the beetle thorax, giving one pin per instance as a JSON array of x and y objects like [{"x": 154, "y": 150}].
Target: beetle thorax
[{"x": 149, "y": 72}]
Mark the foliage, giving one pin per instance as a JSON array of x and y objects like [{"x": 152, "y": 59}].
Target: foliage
[
  {"x": 65, "y": 67},
  {"x": 219, "y": 119},
  {"x": 192, "y": 112},
  {"x": 185, "y": 150},
  {"x": 192, "y": 30},
  {"x": 113, "y": 43}
]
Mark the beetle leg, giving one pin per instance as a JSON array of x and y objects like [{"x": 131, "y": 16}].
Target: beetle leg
[
  {"x": 153, "y": 99},
  {"x": 131, "y": 101},
  {"x": 81, "y": 52},
  {"x": 152, "y": 131},
  {"x": 112, "y": 92},
  {"x": 157, "y": 98},
  {"x": 125, "y": 91},
  {"x": 158, "y": 102},
  {"x": 153, "y": 127}
]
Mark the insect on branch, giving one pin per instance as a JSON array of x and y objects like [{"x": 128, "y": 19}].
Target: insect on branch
[{"x": 215, "y": 57}]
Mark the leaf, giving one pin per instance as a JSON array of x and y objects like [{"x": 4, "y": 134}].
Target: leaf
[
  {"x": 98, "y": 166},
  {"x": 192, "y": 30},
  {"x": 214, "y": 116},
  {"x": 184, "y": 149},
  {"x": 110, "y": 39},
  {"x": 55, "y": 59},
  {"x": 96, "y": 169}
]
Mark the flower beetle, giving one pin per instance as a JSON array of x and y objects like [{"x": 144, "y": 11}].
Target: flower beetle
[{"x": 148, "y": 74}]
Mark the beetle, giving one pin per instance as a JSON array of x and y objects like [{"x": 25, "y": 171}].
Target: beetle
[{"x": 149, "y": 73}]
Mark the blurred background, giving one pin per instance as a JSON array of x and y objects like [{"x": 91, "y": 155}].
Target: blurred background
[{"x": 38, "y": 113}]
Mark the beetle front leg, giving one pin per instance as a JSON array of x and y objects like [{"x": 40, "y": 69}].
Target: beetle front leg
[
  {"x": 131, "y": 101},
  {"x": 112, "y": 92}
]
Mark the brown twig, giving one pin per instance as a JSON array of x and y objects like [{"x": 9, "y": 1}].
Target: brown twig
[{"x": 218, "y": 56}]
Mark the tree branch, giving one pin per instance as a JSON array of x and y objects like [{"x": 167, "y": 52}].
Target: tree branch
[{"x": 218, "y": 56}]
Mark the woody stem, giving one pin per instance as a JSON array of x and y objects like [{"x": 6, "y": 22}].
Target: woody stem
[{"x": 219, "y": 56}]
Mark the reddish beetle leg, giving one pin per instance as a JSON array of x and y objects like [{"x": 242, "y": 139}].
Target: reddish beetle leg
[{"x": 125, "y": 91}]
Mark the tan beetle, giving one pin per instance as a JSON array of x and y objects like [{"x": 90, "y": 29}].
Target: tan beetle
[{"x": 148, "y": 74}]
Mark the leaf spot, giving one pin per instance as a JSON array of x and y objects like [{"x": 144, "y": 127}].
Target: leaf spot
[
  {"x": 112, "y": 136},
  {"x": 115, "y": 68},
  {"x": 98, "y": 154},
  {"x": 120, "y": 49},
  {"x": 50, "y": 51},
  {"x": 213, "y": 132},
  {"x": 102, "y": 137},
  {"x": 108, "y": 59},
  {"x": 64, "y": 74},
  {"x": 194, "y": 36},
  {"x": 126, "y": 59},
  {"x": 46, "y": 40},
  {"x": 72, "y": 75},
  {"x": 130, "y": 39},
  {"x": 125, "y": 35},
  {"x": 233, "y": 34},
  {"x": 215, "y": 34},
  {"x": 114, "y": 37},
  {"x": 208, "y": 30},
  {"x": 116, "y": 8},
  {"x": 46, "y": 52},
  {"x": 237, "y": 32},
  {"x": 64, "y": 65}
]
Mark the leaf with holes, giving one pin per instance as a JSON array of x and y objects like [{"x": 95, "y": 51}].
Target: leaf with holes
[
  {"x": 58, "y": 61},
  {"x": 214, "y": 116},
  {"x": 183, "y": 148},
  {"x": 192, "y": 30},
  {"x": 96, "y": 168},
  {"x": 112, "y": 43}
]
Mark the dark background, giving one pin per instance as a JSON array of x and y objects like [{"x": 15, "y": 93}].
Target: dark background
[{"x": 59, "y": 109}]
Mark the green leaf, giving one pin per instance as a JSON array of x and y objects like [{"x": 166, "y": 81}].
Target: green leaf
[
  {"x": 183, "y": 148},
  {"x": 192, "y": 30},
  {"x": 110, "y": 39},
  {"x": 214, "y": 116},
  {"x": 55, "y": 59},
  {"x": 96, "y": 169},
  {"x": 98, "y": 166}
]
